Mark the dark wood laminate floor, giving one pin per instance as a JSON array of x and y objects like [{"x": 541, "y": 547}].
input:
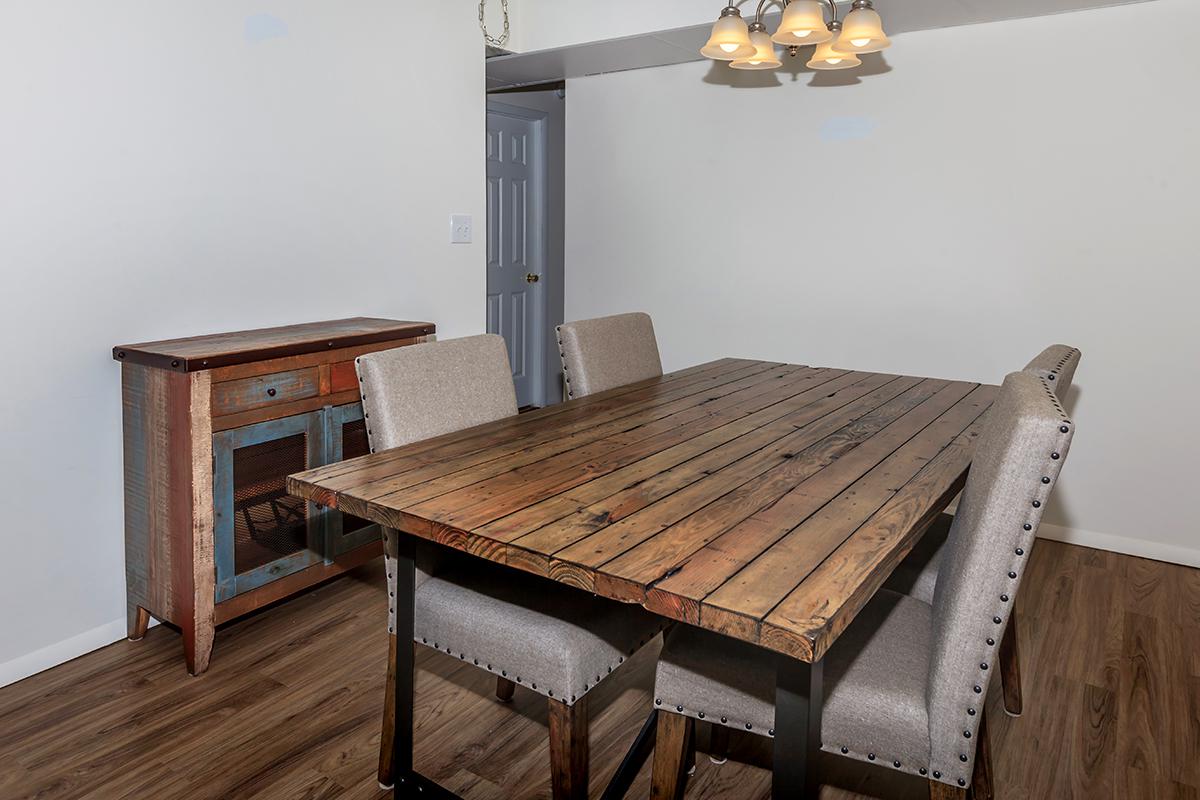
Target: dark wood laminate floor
[{"x": 290, "y": 707}]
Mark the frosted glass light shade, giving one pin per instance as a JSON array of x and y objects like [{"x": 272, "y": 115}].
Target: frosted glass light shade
[
  {"x": 828, "y": 58},
  {"x": 764, "y": 53},
  {"x": 803, "y": 23},
  {"x": 862, "y": 32},
  {"x": 730, "y": 39}
]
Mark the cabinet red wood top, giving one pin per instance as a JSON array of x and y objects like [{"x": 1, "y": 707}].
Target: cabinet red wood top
[{"x": 241, "y": 347}]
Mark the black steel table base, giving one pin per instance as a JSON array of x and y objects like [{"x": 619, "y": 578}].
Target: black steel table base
[
  {"x": 414, "y": 784},
  {"x": 798, "y": 701},
  {"x": 634, "y": 758},
  {"x": 409, "y": 783}
]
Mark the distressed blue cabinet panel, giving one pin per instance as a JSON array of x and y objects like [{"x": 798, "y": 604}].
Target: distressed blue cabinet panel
[
  {"x": 262, "y": 533},
  {"x": 347, "y": 437}
]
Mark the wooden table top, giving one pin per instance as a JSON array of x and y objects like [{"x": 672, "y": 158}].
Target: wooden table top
[{"x": 765, "y": 501}]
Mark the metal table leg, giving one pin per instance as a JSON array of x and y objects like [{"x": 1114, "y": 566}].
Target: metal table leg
[
  {"x": 798, "y": 700},
  {"x": 407, "y": 782},
  {"x": 634, "y": 758}
]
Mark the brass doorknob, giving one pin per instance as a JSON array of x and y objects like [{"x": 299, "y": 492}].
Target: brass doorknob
[{"x": 531, "y": 278}]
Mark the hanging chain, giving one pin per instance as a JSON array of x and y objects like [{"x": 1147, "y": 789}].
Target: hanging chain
[{"x": 494, "y": 41}]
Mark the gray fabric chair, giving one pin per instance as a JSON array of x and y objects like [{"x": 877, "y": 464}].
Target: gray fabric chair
[
  {"x": 917, "y": 574},
  {"x": 607, "y": 352},
  {"x": 556, "y": 641},
  {"x": 906, "y": 684}
]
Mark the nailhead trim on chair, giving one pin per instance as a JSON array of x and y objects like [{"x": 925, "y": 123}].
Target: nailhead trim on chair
[
  {"x": 532, "y": 684},
  {"x": 1014, "y": 570},
  {"x": 842, "y": 750},
  {"x": 562, "y": 356}
]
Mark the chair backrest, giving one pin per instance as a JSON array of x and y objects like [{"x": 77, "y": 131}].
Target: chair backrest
[
  {"x": 607, "y": 352},
  {"x": 425, "y": 390},
  {"x": 1017, "y": 460},
  {"x": 1057, "y": 365}
]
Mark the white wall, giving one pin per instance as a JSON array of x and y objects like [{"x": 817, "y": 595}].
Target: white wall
[
  {"x": 543, "y": 24},
  {"x": 1002, "y": 187},
  {"x": 171, "y": 169}
]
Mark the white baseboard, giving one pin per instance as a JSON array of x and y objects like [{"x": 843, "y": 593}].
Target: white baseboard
[
  {"x": 52, "y": 655},
  {"x": 1157, "y": 551}
]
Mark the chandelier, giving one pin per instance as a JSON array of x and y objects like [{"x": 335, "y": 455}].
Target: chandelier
[{"x": 839, "y": 43}]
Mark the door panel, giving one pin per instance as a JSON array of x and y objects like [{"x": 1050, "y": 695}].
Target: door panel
[
  {"x": 516, "y": 244},
  {"x": 260, "y": 532}
]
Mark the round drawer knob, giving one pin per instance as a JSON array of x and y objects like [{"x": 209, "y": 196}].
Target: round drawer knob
[{"x": 270, "y": 392}]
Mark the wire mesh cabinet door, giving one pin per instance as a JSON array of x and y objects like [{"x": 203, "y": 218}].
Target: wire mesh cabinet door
[
  {"x": 261, "y": 533},
  {"x": 347, "y": 438}
]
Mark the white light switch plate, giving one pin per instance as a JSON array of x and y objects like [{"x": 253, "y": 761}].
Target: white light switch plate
[{"x": 460, "y": 229}]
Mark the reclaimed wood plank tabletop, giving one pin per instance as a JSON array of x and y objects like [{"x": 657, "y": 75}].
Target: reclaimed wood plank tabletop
[{"x": 765, "y": 501}]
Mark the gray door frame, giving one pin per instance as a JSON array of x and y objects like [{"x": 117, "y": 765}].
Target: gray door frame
[{"x": 546, "y": 109}]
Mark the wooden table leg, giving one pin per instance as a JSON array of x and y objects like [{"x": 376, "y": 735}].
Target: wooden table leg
[
  {"x": 1010, "y": 669},
  {"x": 799, "y": 696},
  {"x": 388, "y": 735}
]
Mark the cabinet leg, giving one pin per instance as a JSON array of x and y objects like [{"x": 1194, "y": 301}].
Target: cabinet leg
[
  {"x": 198, "y": 644},
  {"x": 138, "y": 621}
]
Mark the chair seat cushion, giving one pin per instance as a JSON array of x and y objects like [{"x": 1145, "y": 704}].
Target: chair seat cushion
[
  {"x": 917, "y": 574},
  {"x": 554, "y": 639},
  {"x": 874, "y": 682}
]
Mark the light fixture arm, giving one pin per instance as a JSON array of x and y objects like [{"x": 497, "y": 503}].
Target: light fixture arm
[{"x": 762, "y": 5}]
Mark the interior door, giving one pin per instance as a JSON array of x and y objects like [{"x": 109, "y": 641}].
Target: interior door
[{"x": 516, "y": 242}]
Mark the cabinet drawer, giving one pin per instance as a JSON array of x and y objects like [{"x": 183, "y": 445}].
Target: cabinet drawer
[
  {"x": 230, "y": 397},
  {"x": 342, "y": 377}
]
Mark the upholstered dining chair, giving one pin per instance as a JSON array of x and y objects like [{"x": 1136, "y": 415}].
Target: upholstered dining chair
[
  {"x": 917, "y": 574},
  {"x": 906, "y": 684},
  {"x": 607, "y": 352},
  {"x": 558, "y": 642}
]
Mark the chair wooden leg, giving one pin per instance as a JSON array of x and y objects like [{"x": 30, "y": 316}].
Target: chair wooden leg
[
  {"x": 981, "y": 778},
  {"x": 1010, "y": 669},
  {"x": 389, "y": 718},
  {"x": 944, "y": 791},
  {"x": 670, "y": 755},
  {"x": 718, "y": 749},
  {"x": 504, "y": 689},
  {"x": 569, "y": 750},
  {"x": 138, "y": 622},
  {"x": 689, "y": 763}
]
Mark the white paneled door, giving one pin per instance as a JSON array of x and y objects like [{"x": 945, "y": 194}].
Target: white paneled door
[{"x": 516, "y": 246}]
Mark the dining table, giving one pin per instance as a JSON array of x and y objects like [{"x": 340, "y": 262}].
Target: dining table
[{"x": 761, "y": 500}]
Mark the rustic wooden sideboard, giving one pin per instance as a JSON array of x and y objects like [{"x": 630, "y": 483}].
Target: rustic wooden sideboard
[{"x": 213, "y": 425}]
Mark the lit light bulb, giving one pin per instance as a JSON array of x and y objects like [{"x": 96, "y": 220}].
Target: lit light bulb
[
  {"x": 729, "y": 48},
  {"x": 833, "y": 61},
  {"x": 860, "y": 42},
  {"x": 801, "y": 34}
]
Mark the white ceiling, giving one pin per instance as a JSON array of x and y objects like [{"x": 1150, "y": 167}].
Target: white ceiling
[{"x": 660, "y": 48}]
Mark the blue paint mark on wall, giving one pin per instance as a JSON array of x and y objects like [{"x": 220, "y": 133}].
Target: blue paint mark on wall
[
  {"x": 847, "y": 129},
  {"x": 261, "y": 27}
]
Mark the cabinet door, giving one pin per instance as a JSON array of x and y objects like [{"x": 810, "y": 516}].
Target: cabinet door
[
  {"x": 347, "y": 437},
  {"x": 261, "y": 533}
]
